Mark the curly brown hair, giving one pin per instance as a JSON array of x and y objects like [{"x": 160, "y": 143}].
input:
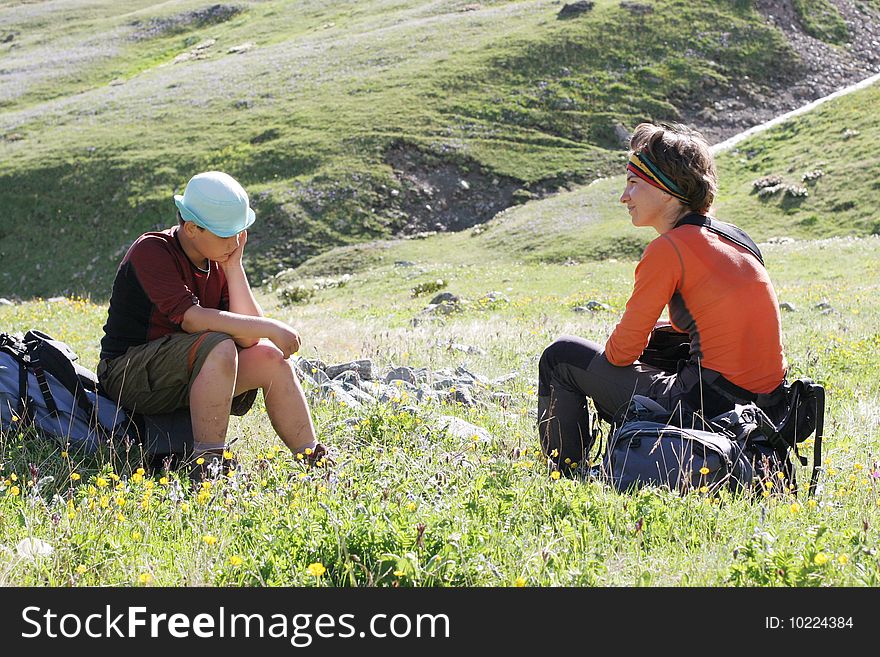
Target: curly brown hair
[{"x": 683, "y": 155}]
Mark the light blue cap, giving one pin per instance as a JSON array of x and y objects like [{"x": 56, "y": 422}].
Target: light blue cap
[{"x": 216, "y": 202}]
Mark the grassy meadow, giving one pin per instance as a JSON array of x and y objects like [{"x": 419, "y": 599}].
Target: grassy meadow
[{"x": 411, "y": 504}]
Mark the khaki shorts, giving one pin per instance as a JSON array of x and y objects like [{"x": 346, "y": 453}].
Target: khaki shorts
[{"x": 155, "y": 378}]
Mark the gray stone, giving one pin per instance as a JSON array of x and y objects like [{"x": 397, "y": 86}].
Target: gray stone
[
  {"x": 468, "y": 349},
  {"x": 364, "y": 368},
  {"x": 823, "y": 305},
  {"x": 461, "y": 394},
  {"x": 434, "y": 309},
  {"x": 470, "y": 377},
  {"x": 501, "y": 380},
  {"x": 243, "y": 47},
  {"x": 361, "y": 396},
  {"x": 333, "y": 390},
  {"x": 444, "y": 384},
  {"x": 396, "y": 394},
  {"x": 463, "y": 430},
  {"x": 790, "y": 307},
  {"x": 5, "y": 302},
  {"x": 494, "y": 297},
  {"x": 401, "y": 374},
  {"x": 312, "y": 371},
  {"x": 349, "y": 379},
  {"x": 444, "y": 297},
  {"x": 591, "y": 306}
]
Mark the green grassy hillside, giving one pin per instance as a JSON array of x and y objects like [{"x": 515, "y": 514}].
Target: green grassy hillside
[
  {"x": 833, "y": 147},
  {"x": 332, "y": 114}
]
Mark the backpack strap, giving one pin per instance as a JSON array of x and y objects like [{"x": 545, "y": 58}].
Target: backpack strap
[
  {"x": 763, "y": 399},
  {"x": 43, "y": 382},
  {"x": 11, "y": 345},
  {"x": 727, "y": 231},
  {"x": 817, "y": 444}
]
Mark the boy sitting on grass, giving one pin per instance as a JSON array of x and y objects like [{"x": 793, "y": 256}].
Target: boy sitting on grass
[{"x": 184, "y": 330}]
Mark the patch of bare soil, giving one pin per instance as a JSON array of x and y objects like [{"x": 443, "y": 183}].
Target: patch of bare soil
[
  {"x": 444, "y": 195},
  {"x": 156, "y": 27}
]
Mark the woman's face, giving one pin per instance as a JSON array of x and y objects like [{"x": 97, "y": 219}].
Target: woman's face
[{"x": 648, "y": 205}]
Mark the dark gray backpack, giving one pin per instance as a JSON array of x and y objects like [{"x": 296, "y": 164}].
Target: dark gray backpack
[{"x": 646, "y": 450}]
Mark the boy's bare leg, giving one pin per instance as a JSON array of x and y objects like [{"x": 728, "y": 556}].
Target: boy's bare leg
[
  {"x": 263, "y": 366},
  {"x": 210, "y": 398}
]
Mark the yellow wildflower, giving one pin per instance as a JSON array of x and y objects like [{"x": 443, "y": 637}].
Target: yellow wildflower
[
  {"x": 235, "y": 561},
  {"x": 820, "y": 559},
  {"x": 555, "y": 475},
  {"x": 520, "y": 582},
  {"x": 209, "y": 539},
  {"x": 704, "y": 471},
  {"x": 316, "y": 569}
]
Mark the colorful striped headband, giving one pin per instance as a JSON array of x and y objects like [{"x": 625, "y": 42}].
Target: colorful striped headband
[{"x": 641, "y": 165}]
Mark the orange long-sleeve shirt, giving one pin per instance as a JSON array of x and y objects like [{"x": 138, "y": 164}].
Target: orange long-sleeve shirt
[{"x": 719, "y": 294}]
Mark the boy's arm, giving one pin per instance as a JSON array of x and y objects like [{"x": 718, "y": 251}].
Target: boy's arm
[
  {"x": 245, "y": 329},
  {"x": 241, "y": 298}
]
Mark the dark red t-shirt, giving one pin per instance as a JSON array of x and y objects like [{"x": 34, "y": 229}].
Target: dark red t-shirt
[{"x": 155, "y": 285}]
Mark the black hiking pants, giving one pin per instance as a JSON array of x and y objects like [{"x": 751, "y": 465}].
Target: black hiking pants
[{"x": 573, "y": 369}]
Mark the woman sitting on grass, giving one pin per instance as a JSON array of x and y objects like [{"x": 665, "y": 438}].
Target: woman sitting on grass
[{"x": 717, "y": 291}]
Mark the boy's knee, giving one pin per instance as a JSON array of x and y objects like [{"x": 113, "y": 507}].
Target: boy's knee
[
  {"x": 269, "y": 356},
  {"x": 224, "y": 355}
]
